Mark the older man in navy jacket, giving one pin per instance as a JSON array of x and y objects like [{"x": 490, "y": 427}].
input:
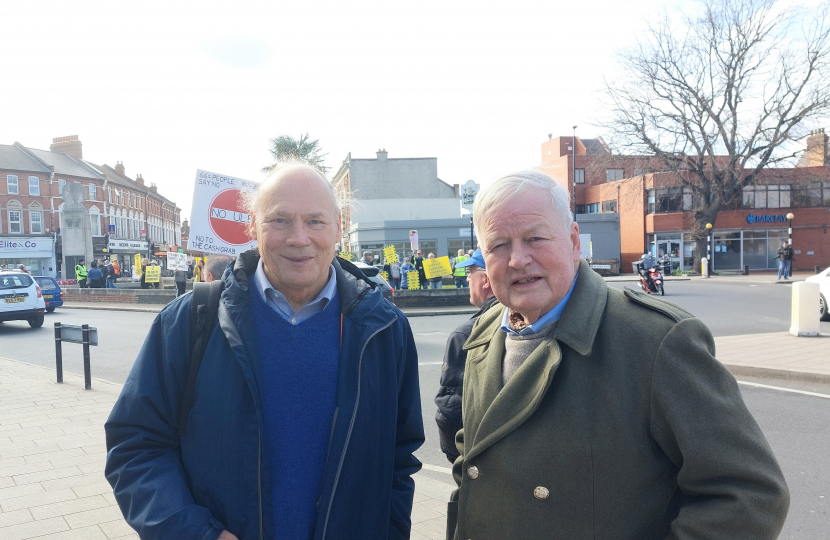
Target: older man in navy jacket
[{"x": 306, "y": 411}]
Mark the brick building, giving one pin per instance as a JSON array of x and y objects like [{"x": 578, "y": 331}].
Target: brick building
[
  {"x": 32, "y": 182},
  {"x": 654, "y": 211}
]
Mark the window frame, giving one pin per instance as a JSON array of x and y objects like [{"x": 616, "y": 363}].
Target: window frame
[
  {"x": 9, "y": 184},
  {"x": 32, "y": 221},
  {"x": 19, "y": 221},
  {"x": 36, "y": 185}
]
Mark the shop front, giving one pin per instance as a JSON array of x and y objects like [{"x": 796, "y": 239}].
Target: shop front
[
  {"x": 36, "y": 253},
  {"x": 125, "y": 252}
]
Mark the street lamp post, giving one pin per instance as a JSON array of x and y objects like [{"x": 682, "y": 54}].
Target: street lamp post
[
  {"x": 790, "y": 218},
  {"x": 709, "y": 264}
]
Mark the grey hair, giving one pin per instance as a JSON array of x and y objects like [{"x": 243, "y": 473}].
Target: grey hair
[
  {"x": 251, "y": 199},
  {"x": 501, "y": 190},
  {"x": 216, "y": 264}
]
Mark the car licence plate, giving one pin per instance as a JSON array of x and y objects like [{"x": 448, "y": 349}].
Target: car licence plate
[
  {"x": 12, "y": 300},
  {"x": 47, "y": 296}
]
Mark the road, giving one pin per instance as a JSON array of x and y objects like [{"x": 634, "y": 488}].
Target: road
[{"x": 796, "y": 424}]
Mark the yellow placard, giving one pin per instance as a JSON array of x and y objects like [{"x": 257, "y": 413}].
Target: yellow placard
[
  {"x": 137, "y": 262},
  {"x": 412, "y": 280},
  {"x": 389, "y": 254},
  {"x": 153, "y": 274},
  {"x": 346, "y": 255},
  {"x": 439, "y": 266},
  {"x": 384, "y": 274}
]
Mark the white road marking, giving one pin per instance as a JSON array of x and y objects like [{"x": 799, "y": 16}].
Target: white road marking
[
  {"x": 444, "y": 470},
  {"x": 814, "y": 394}
]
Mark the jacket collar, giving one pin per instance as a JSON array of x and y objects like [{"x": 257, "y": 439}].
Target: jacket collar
[{"x": 579, "y": 324}]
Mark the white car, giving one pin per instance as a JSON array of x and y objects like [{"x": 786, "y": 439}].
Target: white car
[
  {"x": 20, "y": 298},
  {"x": 823, "y": 280}
]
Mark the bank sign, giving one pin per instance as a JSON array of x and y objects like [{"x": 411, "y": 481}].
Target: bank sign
[{"x": 768, "y": 218}]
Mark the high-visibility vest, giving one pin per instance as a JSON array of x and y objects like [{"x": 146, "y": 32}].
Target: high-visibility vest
[
  {"x": 80, "y": 271},
  {"x": 460, "y": 272}
]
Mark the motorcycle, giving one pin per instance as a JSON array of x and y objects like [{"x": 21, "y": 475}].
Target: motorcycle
[{"x": 654, "y": 285}]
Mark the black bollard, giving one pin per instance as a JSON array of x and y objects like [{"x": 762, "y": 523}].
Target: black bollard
[
  {"x": 87, "y": 368},
  {"x": 58, "y": 352}
]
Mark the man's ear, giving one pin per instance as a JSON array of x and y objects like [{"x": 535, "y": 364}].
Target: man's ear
[{"x": 486, "y": 284}]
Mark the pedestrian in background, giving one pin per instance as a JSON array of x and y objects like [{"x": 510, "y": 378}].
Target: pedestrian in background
[
  {"x": 180, "y": 277},
  {"x": 393, "y": 270},
  {"x": 198, "y": 270},
  {"x": 406, "y": 268},
  {"x": 95, "y": 276},
  {"x": 434, "y": 282},
  {"x": 215, "y": 267},
  {"x": 459, "y": 273},
  {"x": 785, "y": 260},
  {"x": 418, "y": 263},
  {"x": 116, "y": 271},
  {"x": 110, "y": 275},
  {"x": 449, "y": 398},
  {"x": 81, "y": 274},
  {"x": 368, "y": 258}
]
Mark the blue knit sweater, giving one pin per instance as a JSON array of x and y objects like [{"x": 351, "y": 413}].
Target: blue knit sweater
[{"x": 298, "y": 384}]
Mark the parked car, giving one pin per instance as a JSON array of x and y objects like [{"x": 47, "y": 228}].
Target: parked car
[
  {"x": 823, "y": 280},
  {"x": 20, "y": 299},
  {"x": 52, "y": 293},
  {"x": 373, "y": 273}
]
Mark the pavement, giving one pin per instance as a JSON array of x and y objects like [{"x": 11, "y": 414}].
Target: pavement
[{"x": 52, "y": 446}]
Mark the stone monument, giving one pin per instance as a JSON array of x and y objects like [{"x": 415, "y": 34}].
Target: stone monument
[{"x": 76, "y": 230}]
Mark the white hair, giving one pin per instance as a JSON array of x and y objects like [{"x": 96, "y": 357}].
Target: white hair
[{"x": 501, "y": 190}]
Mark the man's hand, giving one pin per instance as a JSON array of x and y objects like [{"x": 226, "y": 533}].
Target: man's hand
[{"x": 225, "y": 535}]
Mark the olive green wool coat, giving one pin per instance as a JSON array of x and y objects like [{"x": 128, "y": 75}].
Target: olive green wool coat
[{"x": 621, "y": 425}]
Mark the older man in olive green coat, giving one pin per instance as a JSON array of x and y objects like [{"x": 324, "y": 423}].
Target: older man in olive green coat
[{"x": 592, "y": 413}]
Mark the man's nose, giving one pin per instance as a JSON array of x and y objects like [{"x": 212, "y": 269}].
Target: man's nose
[
  {"x": 519, "y": 255},
  {"x": 298, "y": 236}
]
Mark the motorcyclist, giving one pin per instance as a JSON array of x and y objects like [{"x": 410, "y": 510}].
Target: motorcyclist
[{"x": 648, "y": 263}]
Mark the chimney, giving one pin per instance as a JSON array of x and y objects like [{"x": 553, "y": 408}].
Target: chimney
[
  {"x": 382, "y": 154},
  {"x": 138, "y": 179},
  {"x": 816, "y": 151},
  {"x": 69, "y": 145},
  {"x": 119, "y": 168},
  {"x": 153, "y": 187}
]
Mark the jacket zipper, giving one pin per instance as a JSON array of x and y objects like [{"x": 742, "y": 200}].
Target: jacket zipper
[{"x": 351, "y": 424}]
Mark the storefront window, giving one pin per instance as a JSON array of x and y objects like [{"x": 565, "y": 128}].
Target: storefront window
[
  {"x": 727, "y": 246},
  {"x": 755, "y": 253},
  {"x": 689, "y": 248}
]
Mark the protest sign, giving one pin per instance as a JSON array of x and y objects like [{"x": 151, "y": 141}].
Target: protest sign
[
  {"x": 218, "y": 222},
  {"x": 389, "y": 254},
  {"x": 153, "y": 274},
  {"x": 385, "y": 275},
  {"x": 440, "y": 266},
  {"x": 412, "y": 280},
  {"x": 413, "y": 240},
  {"x": 137, "y": 264},
  {"x": 346, "y": 255},
  {"x": 176, "y": 261}
]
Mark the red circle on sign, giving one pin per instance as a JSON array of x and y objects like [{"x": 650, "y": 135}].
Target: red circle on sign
[{"x": 227, "y": 220}]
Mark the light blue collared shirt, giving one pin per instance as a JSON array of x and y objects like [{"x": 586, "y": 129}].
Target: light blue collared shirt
[
  {"x": 277, "y": 301},
  {"x": 546, "y": 319}
]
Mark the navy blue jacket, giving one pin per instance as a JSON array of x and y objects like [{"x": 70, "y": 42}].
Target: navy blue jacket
[{"x": 217, "y": 476}]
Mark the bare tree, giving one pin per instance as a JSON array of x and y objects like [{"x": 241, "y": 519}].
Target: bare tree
[
  {"x": 718, "y": 96},
  {"x": 287, "y": 149}
]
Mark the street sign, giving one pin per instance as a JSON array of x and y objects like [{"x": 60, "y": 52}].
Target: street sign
[
  {"x": 111, "y": 228},
  {"x": 219, "y": 224},
  {"x": 468, "y": 194},
  {"x": 227, "y": 220}
]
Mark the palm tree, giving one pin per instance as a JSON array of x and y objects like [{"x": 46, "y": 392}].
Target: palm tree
[{"x": 287, "y": 149}]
